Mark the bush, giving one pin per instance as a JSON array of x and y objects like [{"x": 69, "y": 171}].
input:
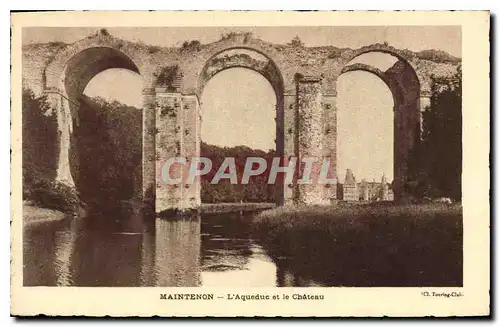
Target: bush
[
  {"x": 166, "y": 75},
  {"x": 229, "y": 35},
  {"x": 153, "y": 49},
  {"x": 54, "y": 195},
  {"x": 104, "y": 31},
  {"x": 194, "y": 45},
  {"x": 296, "y": 42}
]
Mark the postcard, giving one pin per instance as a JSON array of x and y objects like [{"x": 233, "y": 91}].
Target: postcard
[{"x": 250, "y": 164}]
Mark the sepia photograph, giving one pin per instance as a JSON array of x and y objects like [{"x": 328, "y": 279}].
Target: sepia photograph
[{"x": 301, "y": 157}]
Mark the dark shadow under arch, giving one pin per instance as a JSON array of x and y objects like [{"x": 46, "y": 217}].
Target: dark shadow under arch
[{"x": 79, "y": 70}]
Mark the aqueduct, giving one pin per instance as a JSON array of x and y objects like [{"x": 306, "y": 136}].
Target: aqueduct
[{"x": 303, "y": 78}]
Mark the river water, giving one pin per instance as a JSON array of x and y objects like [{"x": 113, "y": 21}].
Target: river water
[{"x": 206, "y": 250}]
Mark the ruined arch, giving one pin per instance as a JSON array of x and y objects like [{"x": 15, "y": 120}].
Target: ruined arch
[
  {"x": 242, "y": 57},
  {"x": 54, "y": 72},
  {"x": 404, "y": 85},
  {"x": 66, "y": 78},
  {"x": 258, "y": 61}
]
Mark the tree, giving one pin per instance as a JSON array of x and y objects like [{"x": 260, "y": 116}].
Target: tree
[
  {"x": 39, "y": 132},
  {"x": 40, "y": 154},
  {"x": 109, "y": 143},
  {"x": 257, "y": 189},
  {"x": 443, "y": 135},
  {"x": 436, "y": 165}
]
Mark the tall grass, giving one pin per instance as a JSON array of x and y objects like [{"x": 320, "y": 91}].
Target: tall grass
[{"x": 367, "y": 245}]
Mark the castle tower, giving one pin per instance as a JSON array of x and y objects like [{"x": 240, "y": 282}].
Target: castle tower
[
  {"x": 383, "y": 189},
  {"x": 350, "y": 187}
]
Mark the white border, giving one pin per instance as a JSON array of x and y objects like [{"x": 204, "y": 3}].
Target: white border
[{"x": 473, "y": 118}]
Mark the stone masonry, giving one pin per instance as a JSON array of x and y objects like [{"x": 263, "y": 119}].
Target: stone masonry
[{"x": 303, "y": 78}]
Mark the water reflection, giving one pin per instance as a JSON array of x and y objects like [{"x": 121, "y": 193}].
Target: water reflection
[
  {"x": 213, "y": 250},
  {"x": 286, "y": 276},
  {"x": 177, "y": 252},
  {"x": 230, "y": 255}
]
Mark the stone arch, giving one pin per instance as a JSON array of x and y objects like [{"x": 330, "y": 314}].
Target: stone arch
[
  {"x": 404, "y": 84},
  {"x": 66, "y": 77},
  {"x": 260, "y": 62},
  {"x": 242, "y": 57},
  {"x": 54, "y": 71},
  {"x": 404, "y": 55},
  {"x": 396, "y": 91}
]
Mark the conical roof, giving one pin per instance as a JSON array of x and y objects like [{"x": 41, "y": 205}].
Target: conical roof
[{"x": 349, "y": 178}]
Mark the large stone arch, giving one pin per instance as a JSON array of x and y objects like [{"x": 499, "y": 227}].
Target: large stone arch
[
  {"x": 256, "y": 60},
  {"x": 54, "y": 71},
  {"x": 241, "y": 57},
  {"x": 65, "y": 79},
  {"x": 404, "y": 84}
]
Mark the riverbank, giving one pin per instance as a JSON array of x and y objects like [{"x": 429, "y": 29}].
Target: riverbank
[
  {"x": 367, "y": 245},
  {"x": 234, "y": 207},
  {"x": 33, "y": 214}
]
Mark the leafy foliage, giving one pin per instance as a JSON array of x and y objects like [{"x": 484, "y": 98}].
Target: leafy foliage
[
  {"x": 436, "y": 166},
  {"x": 193, "y": 45},
  {"x": 257, "y": 190},
  {"x": 40, "y": 153},
  {"x": 166, "y": 75},
  {"x": 229, "y": 35},
  {"x": 39, "y": 140},
  {"x": 104, "y": 31},
  {"x": 109, "y": 142},
  {"x": 296, "y": 42},
  {"x": 153, "y": 49},
  {"x": 54, "y": 195}
]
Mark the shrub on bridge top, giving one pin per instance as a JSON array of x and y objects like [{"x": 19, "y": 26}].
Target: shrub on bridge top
[
  {"x": 104, "y": 31},
  {"x": 193, "y": 45},
  {"x": 153, "y": 49},
  {"x": 296, "y": 42},
  {"x": 166, "y": 75}
]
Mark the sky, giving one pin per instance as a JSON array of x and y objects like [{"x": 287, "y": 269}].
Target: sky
[{"x": 238, "y": 105}]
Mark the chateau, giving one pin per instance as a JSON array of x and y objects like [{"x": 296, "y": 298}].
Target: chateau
[{"x": 351, "y": 191}]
